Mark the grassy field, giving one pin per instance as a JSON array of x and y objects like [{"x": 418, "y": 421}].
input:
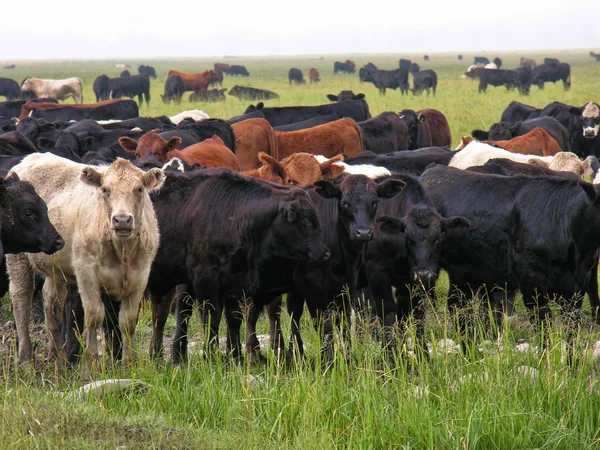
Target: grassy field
[{"x": 509, "y": 395}]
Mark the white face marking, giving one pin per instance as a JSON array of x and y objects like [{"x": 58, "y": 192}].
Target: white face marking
[{"x": 591, "y": 131}]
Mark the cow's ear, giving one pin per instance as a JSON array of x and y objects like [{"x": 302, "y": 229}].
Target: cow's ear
[
  {"x": 260, "y": 105},
  {"x": 276, "y": 167},
  {"x": 91, "y": 176},
  {"x": 153, "y": 179},
  {"x": 45, "y": 144},
  {"x": 359, "y": 97},
  {"x": 514, "y": 128},
  {"x": 591, "y": 165},
  {"x": 329, "y": 170},
  {"x": 332, "y": 97},
  {"x": 327, "y": 189},
  {"x": 289, "y": 209},
  {"x": 575, "y": 111},
  {"x": 128, "y": 144},
  {"x": 390, "y": 188},
  {"x": 455, "y": 223},
  {"x": 11, "y": 179},
  {"x": 420, "y": 118},
  {"x": 172, "y": 143},
  {"x": 391, "y": 224},
  {"x": 538, "y": 162},
  {"x": 480, "y": 135}
]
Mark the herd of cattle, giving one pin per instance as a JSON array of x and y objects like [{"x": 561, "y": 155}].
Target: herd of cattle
[{"x": 99, "y": 206}]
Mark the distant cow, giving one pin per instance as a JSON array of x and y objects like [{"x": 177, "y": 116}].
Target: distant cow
[
  {"x": 523, "y": 78},
  {"x": 222, "y": 68},
  {"x": 125, "y": 73},
  {"x": 132, "y": 86},
  {"x": 313, "y": 75},
  {"x": 238, "y": 70},
  {"x": 370, "y": 66},
  {"x": 110, "y": 109},
  {"x": 426, "y": 128},
  {"x": 174, "y": 89},
  {"x": 499, "y": 77},
  {"x": 388, "y": 79},
  {"x": 295, "y": 76},
  {"x": 195, "y": 81},
  {"x": 424, "y": 80},
  {"x": 414, "y": 68},
  {"x": 480, "y": 60},
  {"x": 345, "y": 95},
  {"x": 211, "y": 95},
  {"x": 10, "y": 89},
  {"x": 472, "y": 72},
  {"x": 553, "y": 73},
  {"x": 551, "y": 61},
  {"x": 344, "y": 67},
  {"x": 249, "y": 93},
  {"x": 498, "y": 62},
  {"x": 527, "y": 62},
  {"x": 58, "y": 89},
  {"x": 459, "y": 57},
  {"x": 147, "y": 70},
  {"x": 403, "y": 64},
  {"x": 425, "y": 57},
  {"x": 12, "y": 66}
]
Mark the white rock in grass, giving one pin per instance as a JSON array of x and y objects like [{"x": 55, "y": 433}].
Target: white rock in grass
[
  {"x": 596, "y": 354},
  {"x": 103, "y": 388},
  {"x": 528, "y": 372}
]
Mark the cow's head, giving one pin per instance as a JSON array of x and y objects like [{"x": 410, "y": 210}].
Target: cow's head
[
  {"x": 357, "y": 197},
  {"x": 503, "y": 131},
  {"x": 25, "y": 223},
  {"x": 590, "y": 119},
  {"x": 345, "y": 95},
  {"x": 298, "y": 169},
  {"x": 27, "y": 84},
  {"x": 123, "y": 191},
  {"x": 412, "y": 121},
  {"x": 422, "y": 231},
  {"x": 150, "y": 143},
  {"x": 471, "y": 72}
]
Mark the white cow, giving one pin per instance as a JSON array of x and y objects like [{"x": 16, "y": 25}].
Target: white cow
[
  {"x": 361, "y": 169},
  {"x": 111, "y": 237},
  {"x": 58, "y": 89},
  {"x": 195, "y": 114}
]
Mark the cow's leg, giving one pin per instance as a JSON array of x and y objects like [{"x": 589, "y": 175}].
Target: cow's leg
[
  {"x": 275, "y": 334},
  {"x": 128, "y": 316},
  {"x": 295, "y": 307},
  {"x": 73, "y": 325},
  {"x": 211, "y": 310},
  {"x": 253, "y": 310},
  {"x": 21, "y": 293},
  {"x": 233, "y": 316},
  {"x": 184, "y": 304},
  {"x": 147, "y": 94},
  {"x": 161, "y": 307},
  {"x": 384, "y": 306},
  {"x": 54, "y": 293},
  {"x": 592, "y": 291}
]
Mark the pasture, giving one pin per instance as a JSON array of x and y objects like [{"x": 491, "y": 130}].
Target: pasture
[{"x": 507, "y": 394}]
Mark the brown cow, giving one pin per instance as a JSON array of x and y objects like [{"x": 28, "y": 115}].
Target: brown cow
[
  {"x": 342, "y": 136},
  {"x": 528, "y": 62},
  {"x": 439, "y": 129},
  {"x": 313, "y": 75},
  {"x": 223, "y": 68},
  {"x": 196, "y": 81},
  {"x": 297, "y": 169},
  {"x": 253, "y": 136},
  {"x": 537, "y": 142},
  {"x": 472, "y": 72}
]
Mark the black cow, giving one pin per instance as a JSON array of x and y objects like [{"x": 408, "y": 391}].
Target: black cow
[
  {"x": 308, "y": 123},
  {"x": 14, "y": 143},
  {"x": 498, "y": 62},
  {"x": 425, "y": 57},
  {"x": 503, "y": 131},
  {"x": 100, "y": 88},
  {"x": 497, "y": 77},
  {"x": 508, "y": 167},
  {"x": 552, "y": 72},
  {"x": 414, "y": 68},
  {"x": 363, "y": 73},
  {"x": 147, "y": 70},
  {"x": 345, "y": 95},
  {"x": 9, "y": 67},
  {"x": 511, "y": 243},
  {"x": 388, "y": 79},
  {"x": 414, "y": 162},
  {"x": 210, "y": 95},
  {"x": 12, "y": 108},
  {"x": 10, "y": 89},
  {"x": 295, "y": 75},
  {"x": 355, "y": 109},
  {"x": 238, "y": 70},
  {"x": 249, "y": 93},
  {"x": 480, "y": 61},
  {"x": 460, "y": 57},
  {"x": 426, "y": 128},
  {"x": 206, "y": 129},
  {"x": 517, "y": 111},
  {"x": 119, "y": 109},
  {"x": 384, "y": 133},
  {"x": 143, "y": 123},
  {"x": 224, "y": 255},
  {"x": 582, "y": 125},
  {"x": 404, "y": 64},
  {"x": 424, "y": 80},
  {"x": 242, "y": 117},
  {"x": 370, "y": 66},
  {"x": 344, "y": 67},
  {"x": 125, "y": 73},
  {"x": 523, "y": 79},
  {"x": 551, "y": 61},
  {"x": 130, "y": 87},
  {"x": 174, "y": 89}
]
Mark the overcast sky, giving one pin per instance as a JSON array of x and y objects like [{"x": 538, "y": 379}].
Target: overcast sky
[{"x": 126, "y": 29}]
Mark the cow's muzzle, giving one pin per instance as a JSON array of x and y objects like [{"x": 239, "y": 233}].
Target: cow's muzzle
[
  {"x": 590, "y": 132},
  {"x": 363, "y": 234},
  {"x": 122, "y": 225}
]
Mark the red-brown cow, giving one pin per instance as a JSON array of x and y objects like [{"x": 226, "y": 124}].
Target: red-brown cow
[
  {"x": 537, "y": 142},
  {"x": 313, "y": 75},
  {"x": 253, "y": 136},
  {"x": 196, "y": 81}
]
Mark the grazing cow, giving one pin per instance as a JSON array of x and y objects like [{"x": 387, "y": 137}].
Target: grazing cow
[
  {"x": 497, "y": 77},
  {"x": 295, "y": 75},
  {"x": 58, "y": 89},
  {"x": 342, "y": 136},
  {"x": 254, "y": 136},
  {"x": 414, "y": 162},
  {"x": 414, "y": 68},
  {"x": 582, "y": 125},
  {"x": 313, "y": 75},
  {"x": 174, "y": 89},
  {"x": 551, "y": 61},
  {"x": 105, "y": 215},
  {"x": 130, "y": 87},
  {"x": 255, "y": 223},
  {"x": 308, "y": 123},
  {"x": 345, "y": 95},
  {"x": 552, "y": 72},
  {"x": 388, "y": 79},
  {"x": 402, "y": 64},
  {"x": 344, "y": 67},
  {"x": 426, "y": 128},
  {"x": 9, "y": 67},
  {"x": 384, "y": 133},
  {"x": 459, "y": 57},
  {"x": 195, "y": 81},
  {"x": 238, "y": 70},
  {"x": 285, "y": 115},
  {"x": 524, "y": 78},
  {"x": 223, "y": 68},
  {"x": 211, "y": 95},
  {"x": 536, "y": 142},
  {"x": 511, "y": 243},
  {"x": 13, "y": 108},
  {"x": 480, "y": 61},
  {"x": 147, "y": 70},
  {"x": 125, "y": 73},
  {"x": 249, "y": 93},
  {"x": 195, "y": 114},
  {"x": 527, "y": 62},
  {"x": 504, "y": 131},
  {"x": 10, "y": 89},
  {"x": 424, "y": 80},
  {"x": 498, "y": 62},
  {"x": 425, "y": 57},
  {"x": 110, "y": 109},
  {"x": 517, "y": 111}
]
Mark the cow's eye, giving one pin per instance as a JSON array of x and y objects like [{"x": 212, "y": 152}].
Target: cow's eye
[
  {"x": 345, "y": 205},
  {"x": 105, "y": 191},
  {"x": 374, "y": 204},
  {"x": 28, "y": 213},
  {"x": 139, "y": 190},
  {"x": 306, "y": 223}
]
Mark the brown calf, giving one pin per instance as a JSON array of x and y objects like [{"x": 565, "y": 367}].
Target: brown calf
[
  {"x": 253, "y": 136},
  {"x": 537, "y": 142},
  {"x": 297, "y": 169}
]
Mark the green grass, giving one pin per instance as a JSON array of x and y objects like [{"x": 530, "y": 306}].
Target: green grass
[{"x": 447, "y": 402}]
